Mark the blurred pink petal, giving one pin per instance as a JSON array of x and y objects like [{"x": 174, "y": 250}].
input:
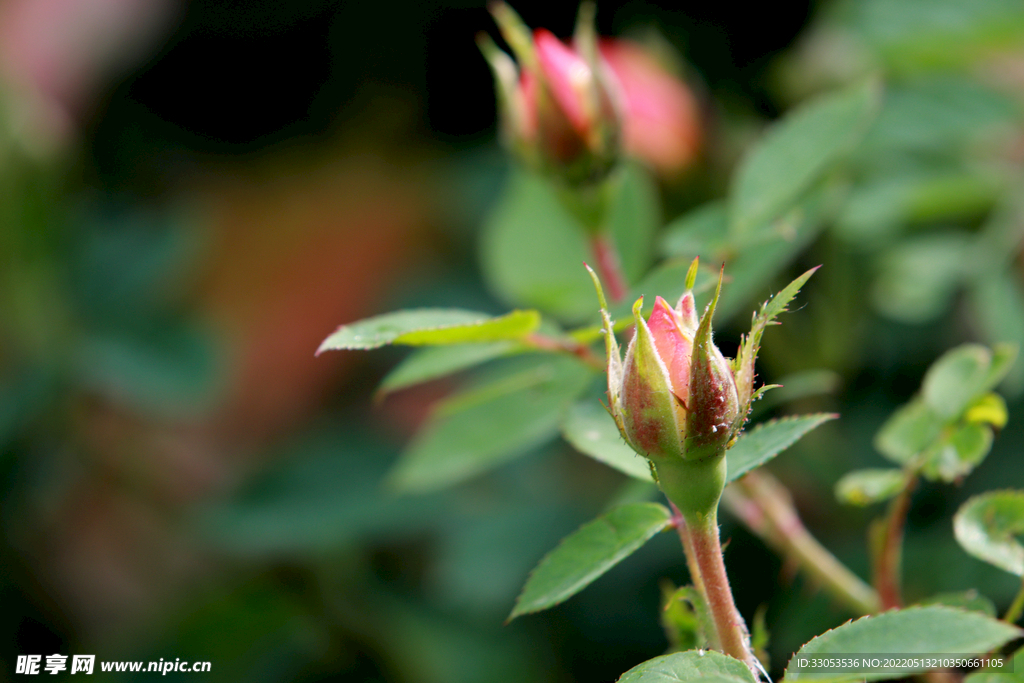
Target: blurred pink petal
[{"x": 661, "y": 121}]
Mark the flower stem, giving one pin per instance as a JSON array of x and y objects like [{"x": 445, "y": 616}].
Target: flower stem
[
  {"x": 764, "y": 505},
  {"x": 609, "y": 265},
  {"x": 691, "y": 563},
  {"x": 1016, "y": 609},
  {"x": 704, "y": 557},
  {"x": 889, "y": 559}
]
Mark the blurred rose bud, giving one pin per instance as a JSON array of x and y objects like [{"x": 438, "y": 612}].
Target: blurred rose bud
[
  {"x": 674, "y": 396},
  {"x": 661, "y": 120},
  {"x": 556, "y": 109},
  {"x": 54, "y": 54},
  {"x": 573, "y": 108}
]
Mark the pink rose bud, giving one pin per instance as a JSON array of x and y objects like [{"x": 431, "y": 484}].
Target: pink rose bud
[
  {"x": 557, "y": 113},
  {"x": 674, "y": 396},
  {"x": 660, "y": 116}
]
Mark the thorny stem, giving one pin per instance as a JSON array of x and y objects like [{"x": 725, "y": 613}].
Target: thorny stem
[
  {"x": 1016, "y": 609},
  {"x": 764, "y": 505},
  {"x": 609, "y": 265},
  {"x": 703, "y": 551},
  {"x": 890, "y": 556},
  {"x": 581, "y": 351}
]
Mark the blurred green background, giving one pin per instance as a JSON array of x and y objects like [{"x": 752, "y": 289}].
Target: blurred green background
[{"x": 193, "y": 195}]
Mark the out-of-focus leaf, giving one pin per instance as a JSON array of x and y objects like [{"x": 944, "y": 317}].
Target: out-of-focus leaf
[
  {"x": 699, "y": 232},
  {"x": 482, "y": 556},
  {"x": 937, "y": 114},
  {"x": 174, "y": 372},
  {"x": 917, "y": 279},
  {"x": 326, "y": 493},
  {"x": 768, "y": 439},
  {"x": 128, "y": 261},
  {"x": 754, "y": 269},
  {"x": 964, "y": 373},
  {"x": 588, "y": 553},
  {"x": 959, "y": 453},
  {"x": 880, "y": 207},
  {"x": 799, "y": 385},
  {"x": 634, "y": 219},
  {"x": 971, "y": 601},
  {"x": 997, "y": 303},
  {"x": 913, "y": 36},
  {"x": 935, "y": 629},
  {"x": 866, "y": 487},
  {"x": 680, "y": 667},
  {"x": 469, "y": 434},
  {"x": 592, "y": 431},
  {"x": 986, "y": 526},
  {"x": 430, "y": 326},
  {"x": 533, "y": 248},
  {"x": 684, "y": 617},
  {"x": 795, "y": 153},
  {"x": 433, "y": 362},
  {"x": 910, "y": 430}
]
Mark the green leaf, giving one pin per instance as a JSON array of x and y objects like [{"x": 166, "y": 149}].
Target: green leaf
[
  {"x": 684, "y": 617},
  {"x": 322, "y": 493},
  {"x": 592, "y": 431},
  {"x": 986, "y": 526},
  {"x": 768, "y": 439},
  {"x": 932, "y": 630},
  {"x": 910, "y": 37},
  {"x": 432, "y": 362},
  {"x": 533, "y": 249},
  {"x": 970, "y": 601},
  {"x": 997, "y": 304},
  {"x": 479, "y": 429},
  {"x": 918, "y": 277},
  {"x": 701, "y": 231},
  {"x": 634, "y": 218},
  {"x": 706, "y": 666},
  {"x": 956, "y": 455},
  {"x": 172, "y": 371},
  {"x": 795, "y": 153},
  {"x": 799, "y": 385},
  {"x": 883, "y": 205},
  {"x": 908, "y": 432},
  {"x": 430, "y": 326},
  {"x": 588, "y": 553},
  {"x": 962, "y": 374},
  {"x": 866, "y": 487}
]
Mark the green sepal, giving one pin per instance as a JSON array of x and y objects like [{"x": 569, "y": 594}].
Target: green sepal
[
  {"x": 648, "y": 405},
  {"x": 516, "y": 33},
  {"x": 713, "y": 404},
  {"x": 611, "y": 346},
  {"x": 747, "y": 354}
]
